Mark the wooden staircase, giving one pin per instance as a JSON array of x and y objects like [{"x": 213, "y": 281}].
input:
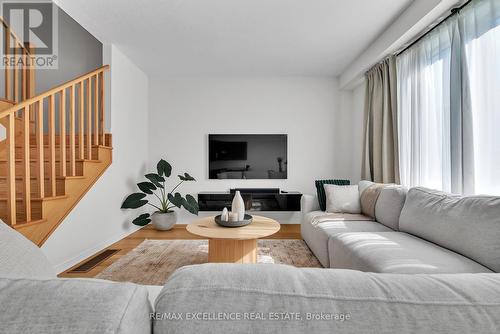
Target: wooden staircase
[
  {"x": 44, "y": 171},
  {"x": 53, "y": 147}
]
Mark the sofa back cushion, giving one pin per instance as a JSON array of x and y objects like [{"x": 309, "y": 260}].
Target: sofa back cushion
[
  {"x": 20, "y": 258},
  {"x": 374, "y": 303},
  {"x": 363, "y": 185},
  {"x": 389, "y": 205},
  {"x": 467, "y": 225}
]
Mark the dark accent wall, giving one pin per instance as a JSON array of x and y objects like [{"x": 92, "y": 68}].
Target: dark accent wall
[{"x": 79, "y": 52}]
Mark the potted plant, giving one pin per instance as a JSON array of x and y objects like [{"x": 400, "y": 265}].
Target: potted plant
[{"x": 164, "y": 218}]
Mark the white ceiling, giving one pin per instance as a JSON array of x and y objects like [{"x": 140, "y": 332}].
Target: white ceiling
[{"x": 237, "y": 37}]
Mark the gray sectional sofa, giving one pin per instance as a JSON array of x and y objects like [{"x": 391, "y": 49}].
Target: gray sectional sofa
[
  {"x": 33, "y": 300},
  {"x": 419, "y": 231}
]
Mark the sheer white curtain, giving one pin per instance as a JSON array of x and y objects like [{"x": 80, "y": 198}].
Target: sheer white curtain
[
  {"x": 480, "y": 23},
  {"x": 449, "y": 104},
  {"x": 424, "y": 110}
]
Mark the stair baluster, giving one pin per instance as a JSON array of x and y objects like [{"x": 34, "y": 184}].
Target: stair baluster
[
  {"x": 81, "y": 123},
  {"x": 11, "y": 169},
  {"x": 88, "y": 117},
  {"x": 40, "y": 154},
  {"x": 26, "y": 161},
  {"x": 62, "y": 132},
  {"x": 72, "y": 156},
  {"x": 96, "y": 111}
]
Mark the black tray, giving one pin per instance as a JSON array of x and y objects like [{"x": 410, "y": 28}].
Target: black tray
[{"x": 240, "y": 223}]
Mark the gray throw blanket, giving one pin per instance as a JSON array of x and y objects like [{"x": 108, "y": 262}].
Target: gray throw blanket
[{"x": 329, "y": 217}]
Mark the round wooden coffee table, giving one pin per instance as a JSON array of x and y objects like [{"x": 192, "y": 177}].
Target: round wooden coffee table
[{"x": 233, "y": 244}]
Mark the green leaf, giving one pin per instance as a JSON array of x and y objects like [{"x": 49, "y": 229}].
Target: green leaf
[
  {"x": 134, "y": 201},
  {"x": 186, "y": 177},
  {"x": 137, "y": 204},
  {"x": 175, "y": 199},
  {"x": 191, "y": 200},
  {"x": 155, "y": 179},
  {"x": 146, "y": 187},
  {"x": 164, "y": 168},
  {"x": 142, "y": 220},
  {"x": 190, "y": 204}
]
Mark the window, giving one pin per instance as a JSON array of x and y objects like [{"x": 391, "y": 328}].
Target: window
[
  {"x": 449, "y": 104},
  {"x": 483, "y": 67},
  {"x": 424, "y": 111}
]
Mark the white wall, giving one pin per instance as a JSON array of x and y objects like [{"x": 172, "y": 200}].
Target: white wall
[
  {"x": 349, "y": 133},
  {"x": 97, "y": 221},
  {"x": 357, "y": 115},
  {"x": 324, "y": 127},
  {"x": 410, "y": 24},
  {"x": 184, "y": 111}
]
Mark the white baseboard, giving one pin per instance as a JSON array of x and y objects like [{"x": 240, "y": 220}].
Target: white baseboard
[{"x": 63, "y": 266}]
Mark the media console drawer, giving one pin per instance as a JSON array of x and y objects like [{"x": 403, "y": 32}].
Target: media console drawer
[{"x": 212, "y": 201}]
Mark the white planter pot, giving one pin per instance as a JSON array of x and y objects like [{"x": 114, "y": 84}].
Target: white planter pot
[{"x": 164, "y": 221}]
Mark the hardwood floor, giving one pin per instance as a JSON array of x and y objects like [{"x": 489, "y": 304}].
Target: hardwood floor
[{"x": 287, "y": 231}]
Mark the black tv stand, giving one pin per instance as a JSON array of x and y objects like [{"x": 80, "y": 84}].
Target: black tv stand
[
  {"x": 256, "y": 199},
  {"x": 255, "y": 190}
]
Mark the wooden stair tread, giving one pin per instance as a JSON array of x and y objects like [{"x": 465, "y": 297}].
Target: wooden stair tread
[
  {"x": 58, "y": 146},
  {"x": 47, "y": 178},
  {"x": 74, "y": 177},
  {"x": 30, "y": 223},
  {"x": 57, "y": 160},
  {"x": 9, "y": 101},
  {"x": 33, "y": 199}
]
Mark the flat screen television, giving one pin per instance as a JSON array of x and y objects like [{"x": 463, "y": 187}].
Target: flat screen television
[{"x": 247, "y": 156}]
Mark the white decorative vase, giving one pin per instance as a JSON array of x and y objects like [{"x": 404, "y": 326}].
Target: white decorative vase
[
  {"x": 164, "y": 221},
  {"x": 224, "y": 215},
  {"x": 238, "y": 206}
]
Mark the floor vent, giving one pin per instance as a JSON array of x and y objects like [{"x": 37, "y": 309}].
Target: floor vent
[{"x": 93, "y": 262}]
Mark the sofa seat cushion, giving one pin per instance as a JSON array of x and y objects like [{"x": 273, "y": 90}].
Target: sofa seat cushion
[
  {"x": 396, "y": 252},
  {"x": 73, "y": 306},
  {"x": 316, "y": 229},
  {"x": 19, "y": 257},
  {"x": 361, "y": 302}
]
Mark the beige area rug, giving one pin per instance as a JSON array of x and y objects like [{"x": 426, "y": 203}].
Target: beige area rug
[{"x": 153, "y": 261}]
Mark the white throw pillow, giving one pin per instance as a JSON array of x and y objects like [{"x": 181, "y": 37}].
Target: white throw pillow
[{"x": 344, "y": 199}]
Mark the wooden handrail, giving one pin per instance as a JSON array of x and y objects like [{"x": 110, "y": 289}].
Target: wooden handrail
[
  {"x": 22, "y": 51},
  {"x": 17, "y": 39},
  {"x": 79, "y": 108},
  {"x": 52, "y": 91}
]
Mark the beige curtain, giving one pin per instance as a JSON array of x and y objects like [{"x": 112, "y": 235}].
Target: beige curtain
[{"x": 380, "y": 154}]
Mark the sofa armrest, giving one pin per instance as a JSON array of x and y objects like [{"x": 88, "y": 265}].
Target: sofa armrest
[
  {"x": 309, "y": 203},
  {"x": 73, "y": 306}
]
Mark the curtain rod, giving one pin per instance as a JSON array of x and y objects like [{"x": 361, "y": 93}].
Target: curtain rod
[{"x": 454, "y": 11}]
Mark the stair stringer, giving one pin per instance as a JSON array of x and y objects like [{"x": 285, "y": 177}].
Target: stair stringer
[{"x": 55, "y": 210}]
